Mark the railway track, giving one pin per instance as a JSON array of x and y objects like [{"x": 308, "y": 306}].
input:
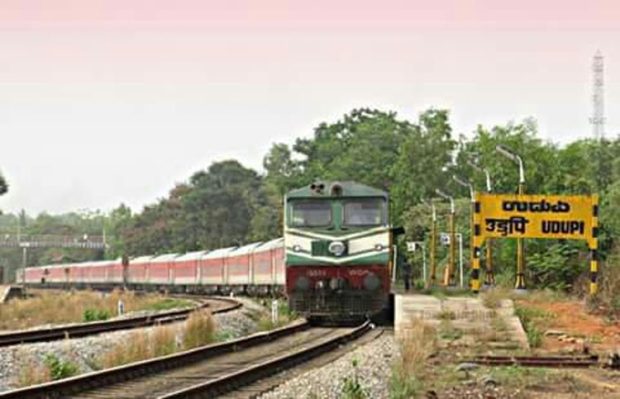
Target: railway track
[
  {"x": 208, "y": 371},
  {"x": 217, "y": 305},
  {"x": 540, "y": 361}
]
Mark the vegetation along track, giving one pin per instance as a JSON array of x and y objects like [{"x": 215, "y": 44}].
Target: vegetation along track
[
  {"x": 216, "y": 305},
  {"x": 202, "y": 372}
]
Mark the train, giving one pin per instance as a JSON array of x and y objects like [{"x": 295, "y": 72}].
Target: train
[{"x": 334, "y": 260}]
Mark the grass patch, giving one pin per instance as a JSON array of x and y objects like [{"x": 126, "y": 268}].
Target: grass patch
[
  {"x": 517, "y": 376},
  {"x": 198, "y": 330},
  {"x": 170, "y": 303},
  {"x": 533, "y": 321},
  {"x": 32, "y": 371},
  {"x": 448, "y": 332},
  {"x": 95, "y": 315},
  {"x": 60, "y": 307},
  {"x": 417, "y": 344},
  {"x": 352, "y": 388},
  {"x": 446, "y": 315},
  {"x": 493, "y": 297},
  {"x": 285, "y": 316}
]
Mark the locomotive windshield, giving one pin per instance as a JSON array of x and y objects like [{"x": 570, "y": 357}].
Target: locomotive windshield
[
  {"x": 311, "y": 214},
  {"x": 364, "y": 212}
]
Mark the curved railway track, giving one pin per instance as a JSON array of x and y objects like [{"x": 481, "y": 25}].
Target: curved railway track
[
  {"x": 216, "y": 305},
  {"x": 202, "y": 372}
]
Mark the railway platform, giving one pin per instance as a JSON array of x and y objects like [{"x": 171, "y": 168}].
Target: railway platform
[
  {"x": 468, "y": 315},
  {"x": 9, "y": 291}
]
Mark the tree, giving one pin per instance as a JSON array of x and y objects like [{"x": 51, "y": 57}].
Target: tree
[{"x": 420, "y": 167}]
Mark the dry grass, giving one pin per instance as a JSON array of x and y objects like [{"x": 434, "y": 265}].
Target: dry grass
[
  {"x": 198, "y": 330},
  {"x": 59, "y": 307},
  {"x": 31, "y": 371},
  {"x": 493, "y": 298},
  {"x": 418, "y": 342}
]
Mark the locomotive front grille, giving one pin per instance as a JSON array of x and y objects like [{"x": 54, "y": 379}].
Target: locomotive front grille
[{"x": 348, "y": 302}]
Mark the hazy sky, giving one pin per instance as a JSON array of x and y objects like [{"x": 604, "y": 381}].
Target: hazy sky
[{"x": 109, "y": 101}]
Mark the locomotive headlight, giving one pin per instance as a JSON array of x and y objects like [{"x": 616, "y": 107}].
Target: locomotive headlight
[
  {"x": 371, "y": 282},
  {"x": 337, "y": 248},
  {"x": 379, "y": 247},
  {"x": 296, "y": 248},
  {"x": 302, "y": 283},
  {"x": 333, "y": 284}
]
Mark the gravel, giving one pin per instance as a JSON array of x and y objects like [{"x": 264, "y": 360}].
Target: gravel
[
  {"x": 371, "y": 364},
  {"x": 84, "y": 352}
]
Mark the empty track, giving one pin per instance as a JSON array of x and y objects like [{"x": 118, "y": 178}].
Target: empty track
[
  {"x": 216, "y": 305},
  {"x": 203, "y": 372}
]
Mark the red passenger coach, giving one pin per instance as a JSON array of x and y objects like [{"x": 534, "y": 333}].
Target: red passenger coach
[
  {"x": 160, "y": 269},
  {"x": 57, "y": 274},
  {"x": 212, "y": 267},
  {"x": 34, "y": 275},
  {"x": 185, "y": 270},
  {"x": 239, "y": 265},
  {"x": 136, "y": 270},
  {"x": 116, "y": 272},
  {"x": 268, "y": 264}
]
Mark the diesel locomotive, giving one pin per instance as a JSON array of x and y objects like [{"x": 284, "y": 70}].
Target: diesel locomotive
[{"x": 338, "y": 250}]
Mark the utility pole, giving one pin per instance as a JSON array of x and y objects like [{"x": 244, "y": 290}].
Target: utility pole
[
  {"x": 433, "y": 265},
  {"x": 520, "y": 283},
  {"x": 450, "y": 278}
]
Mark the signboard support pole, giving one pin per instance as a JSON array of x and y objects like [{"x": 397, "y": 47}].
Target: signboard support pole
[
  {"x": 489, "y": 274},
  {"x": 593, "y": 244},
  {"x": 475, "y": 246},
  {"x": 520, "y": 283}
]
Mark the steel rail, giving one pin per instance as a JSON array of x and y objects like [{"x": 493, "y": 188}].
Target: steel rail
[
  {"x": 538, "y": 361},
  {"x": 270, "y": 367},
  {"x": 97, "y": 327},
  {"x": 74, "y": 385}
]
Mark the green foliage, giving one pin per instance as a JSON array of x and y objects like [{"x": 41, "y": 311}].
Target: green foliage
[
  {"x": 352, "y": 388},
  {"x": 529, "y": 318},
  {"x": 170, "y": 303},
  {"x": 95, "y": 315},
  {"x": 557, "y": 267},
  {"x": 58, "y": 368},
  {"x": 404, "y": 386}
]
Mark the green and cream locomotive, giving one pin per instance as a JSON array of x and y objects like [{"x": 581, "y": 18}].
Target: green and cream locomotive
[{"x": 338, "y": 244}]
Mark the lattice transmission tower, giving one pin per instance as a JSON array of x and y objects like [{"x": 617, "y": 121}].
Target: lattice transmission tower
[{"x": 598, "y": 101}]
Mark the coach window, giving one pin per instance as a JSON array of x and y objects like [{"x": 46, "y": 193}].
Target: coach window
[
  {"x": 364, "y": 212},
  {"x": 311, "y": 214}
]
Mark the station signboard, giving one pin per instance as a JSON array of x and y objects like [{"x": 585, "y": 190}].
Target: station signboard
[{"x": 536, "y": 216}]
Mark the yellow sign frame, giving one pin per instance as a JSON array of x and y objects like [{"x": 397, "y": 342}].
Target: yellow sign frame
[{"x": 535, "y": 216}]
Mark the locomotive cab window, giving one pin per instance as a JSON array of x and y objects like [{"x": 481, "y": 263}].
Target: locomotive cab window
[
  {"x": 364, "y": 212},
  {"x": 311, "y": 214}
]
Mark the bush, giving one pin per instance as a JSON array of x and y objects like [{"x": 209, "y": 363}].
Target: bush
[
  {"x": 58, "y": 368},
  {"x": 352, "y": 389},
  {"x": 528, "y": 316},
  {"x": 95, "y": 315}
]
